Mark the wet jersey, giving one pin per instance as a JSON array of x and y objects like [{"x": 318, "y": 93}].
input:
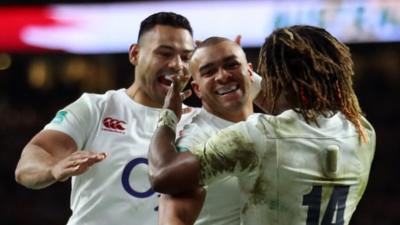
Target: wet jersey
[
  {"x": 222, "y": 204},
  {"x": 292, "y": 172},
  {"x": 115, "y": 190}
]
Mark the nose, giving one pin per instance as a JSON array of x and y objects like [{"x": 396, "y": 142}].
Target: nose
[
  {"x": 222, "y": 75},
  {"x": 176, "y": 63}
]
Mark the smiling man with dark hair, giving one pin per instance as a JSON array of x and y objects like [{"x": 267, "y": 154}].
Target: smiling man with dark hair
[{"x": 101, "y": 141}]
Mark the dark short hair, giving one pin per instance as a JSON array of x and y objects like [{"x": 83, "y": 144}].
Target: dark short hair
[{"x": 164, "y": 18}]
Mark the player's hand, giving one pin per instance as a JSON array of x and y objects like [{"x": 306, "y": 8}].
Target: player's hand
[
  {"x": 238, "y": 39},
  {"x": 76, "y": 164},
  {"x": 175, "y": 97}
]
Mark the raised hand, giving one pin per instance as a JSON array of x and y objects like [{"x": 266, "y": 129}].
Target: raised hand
[
  {"x": 174, "y": 97},
  {"x": 238, "y": 39},
  {"x": 76, "y": 164}
]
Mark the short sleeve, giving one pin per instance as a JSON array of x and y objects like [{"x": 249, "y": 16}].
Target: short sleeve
[{"x": 74, "y": 120}]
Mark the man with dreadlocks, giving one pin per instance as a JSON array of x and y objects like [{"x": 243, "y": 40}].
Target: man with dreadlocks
[{"x": 306, "y": 163}]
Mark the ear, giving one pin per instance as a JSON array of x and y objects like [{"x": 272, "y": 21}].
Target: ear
[
  {"x": 196, "y": 88},
  {"x": 134, "y": 53},
  {"x": 250, "y": 65},
  {"x": 250, "y": 70}
]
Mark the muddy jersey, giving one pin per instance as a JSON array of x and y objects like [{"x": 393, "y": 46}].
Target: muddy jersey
[
  {"x": 115, "y": 190},
  {"x": 222, "y": 204},
  {"x": 291, "y": 172}
]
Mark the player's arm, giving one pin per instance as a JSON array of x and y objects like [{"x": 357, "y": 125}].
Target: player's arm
[
  {"x": 171, "y": 172},
  {"x": 180, "y": 209},
  {"x": 52, "y": 156}
]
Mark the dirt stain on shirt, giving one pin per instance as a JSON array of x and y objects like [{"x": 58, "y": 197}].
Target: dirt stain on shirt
[{"x": 227, "y": 152}]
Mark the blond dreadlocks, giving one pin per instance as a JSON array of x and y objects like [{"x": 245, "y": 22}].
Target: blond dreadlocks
[{"x": 315, "y": 68}]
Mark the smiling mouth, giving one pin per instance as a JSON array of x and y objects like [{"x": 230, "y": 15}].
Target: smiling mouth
[
  {"x": 165, "y": 79},
  {"x": 227, "y": 89}
]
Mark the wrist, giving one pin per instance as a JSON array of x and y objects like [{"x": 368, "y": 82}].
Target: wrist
[{"x": 168, "y": 118}]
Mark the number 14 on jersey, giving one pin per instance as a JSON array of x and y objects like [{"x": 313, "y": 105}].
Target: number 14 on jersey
[{"x": 336, "y": 206}]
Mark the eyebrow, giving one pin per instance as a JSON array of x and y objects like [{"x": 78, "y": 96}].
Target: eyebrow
[{"x": 228, "y": 58}]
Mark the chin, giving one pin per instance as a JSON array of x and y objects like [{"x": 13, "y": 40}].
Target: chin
[{"x": 233, "y": 106}]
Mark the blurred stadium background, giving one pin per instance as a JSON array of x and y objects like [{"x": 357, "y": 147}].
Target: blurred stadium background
[{"x": 52, "y": 51}]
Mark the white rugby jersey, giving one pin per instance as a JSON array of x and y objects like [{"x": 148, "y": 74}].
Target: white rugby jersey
[
  {"x": 292, "y": 173},
  {"x": 222, "y": 204},
  {"x": 116, "y": 190}
]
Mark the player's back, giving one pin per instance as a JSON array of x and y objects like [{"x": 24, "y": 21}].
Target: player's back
[{"x": 307, "y": 174}]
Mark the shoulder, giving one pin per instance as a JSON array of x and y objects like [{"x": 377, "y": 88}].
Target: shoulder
[
  {"x": 112, "y": 100},
  {"x": 89, "y": 105},
  {"x": 188, "y": 118},
  {"x": 367, "y": 126},
  {"x": 95, "y": 98},
  {"x": 202, "y": 123},
  {"x": 191, "y": 132},
  {"x": 370, "y": 131},
  {"x": 260, "y": 121}
]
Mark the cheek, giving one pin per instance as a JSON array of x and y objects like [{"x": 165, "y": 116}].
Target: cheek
[
  {"x": 242, "y": 79},
  {"x": 247, "y": 83},
  {"x": 151, "y": 61},
  {"x": 203, "y": 88},
  {"x": 151, "y": 69},
  {"x": 186, "y": 67},
  {"x": 208, "y": 85}
]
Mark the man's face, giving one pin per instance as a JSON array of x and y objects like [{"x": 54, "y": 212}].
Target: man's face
[
  {"x": 221, "y": 77},
  {"x": 162, "y": 51}
]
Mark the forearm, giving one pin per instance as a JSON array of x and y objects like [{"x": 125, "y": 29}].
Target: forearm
[
  {"x": 169, "y": 171},
  {"x": 162, "y": 150},
  {"x": 34, "y": 168},
  {"x": 180, "y": 209}
]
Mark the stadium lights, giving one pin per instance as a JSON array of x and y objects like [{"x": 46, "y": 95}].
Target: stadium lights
[{"x": 113, "y": 27}]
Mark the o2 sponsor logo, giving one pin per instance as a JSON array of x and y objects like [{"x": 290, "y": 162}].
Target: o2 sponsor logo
[
  {"x": 125, "y": 179},
  {"x": 128, "y": 187}
]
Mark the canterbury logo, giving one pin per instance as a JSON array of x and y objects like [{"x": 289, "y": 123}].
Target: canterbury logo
[{"x": 114, "y": 124}]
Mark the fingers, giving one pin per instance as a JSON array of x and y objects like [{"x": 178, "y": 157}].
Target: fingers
[
  {"x": 186, "y": 110},
  {"x": 76, "y": 164},
  {"x": 197, "y": 42},
  {"x": 175, "y": 83},
  {"x": 186, "y": 94},
  {"x": 238, "y": 39},
  {"x": 173, "y": 99},
  {"x": 85, "y": 157},
  {"x": 180, "y": 81},
  {"x": 92, "y": 158},
  {"x": 68, "y": 172}
]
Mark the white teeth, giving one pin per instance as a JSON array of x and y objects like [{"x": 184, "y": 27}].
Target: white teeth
[
  {"x": 168, "y": 77},
  {"x": 227, "y": 89}
]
